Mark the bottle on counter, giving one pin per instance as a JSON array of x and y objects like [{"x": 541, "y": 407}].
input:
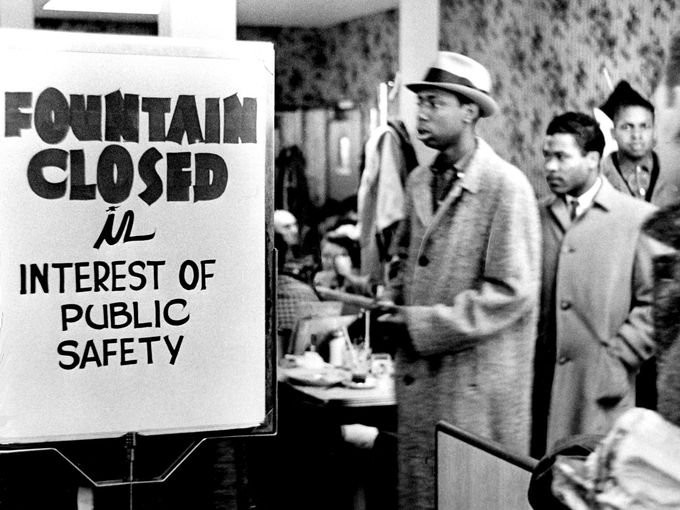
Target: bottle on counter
[{"x": 336, "y": 348}]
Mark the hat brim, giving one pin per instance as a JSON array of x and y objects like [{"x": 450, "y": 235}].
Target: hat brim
[{"x": 487, "y": 105}]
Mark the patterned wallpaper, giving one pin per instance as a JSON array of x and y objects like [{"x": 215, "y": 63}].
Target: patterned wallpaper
[
  {"x": 317, "y": 67},
  {"x": 300, "y": 62},
  {"x": 314, "y": 67},
  {"x": 363, "y": 53},
  {"x": 547, "y": 56},
  {"x": 104, "y": 27}
]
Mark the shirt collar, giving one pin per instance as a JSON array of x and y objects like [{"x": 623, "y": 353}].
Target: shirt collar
[
  {"x": 585, "y": 200},
  {"x": 628, "y": 166}
]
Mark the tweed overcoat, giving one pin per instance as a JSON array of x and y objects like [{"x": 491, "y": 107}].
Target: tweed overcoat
[
  {"x": 596, "y": 304},
  {"x": 470, "y": 276}
]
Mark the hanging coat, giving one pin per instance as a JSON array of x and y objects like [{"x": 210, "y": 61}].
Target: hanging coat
[{"x": 381, "y": 194}]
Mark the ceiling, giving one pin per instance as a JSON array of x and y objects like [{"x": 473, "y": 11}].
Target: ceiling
[
  {"x": 308, "y": 13},
  {"x": 293, "y": 13}
]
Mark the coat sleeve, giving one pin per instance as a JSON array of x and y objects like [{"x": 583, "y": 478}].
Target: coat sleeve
[
  {"x": 634, "y": 341},
  {"x": 509, "y": 289}
]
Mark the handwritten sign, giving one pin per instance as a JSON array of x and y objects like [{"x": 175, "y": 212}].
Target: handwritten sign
[{"x": 132, "y": 235}]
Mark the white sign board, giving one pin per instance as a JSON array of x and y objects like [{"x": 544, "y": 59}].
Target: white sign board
[{"x": 132, "y": 235}]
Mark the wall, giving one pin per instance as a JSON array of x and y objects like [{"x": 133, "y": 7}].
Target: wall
[
  {"x": 361, "y": 54},
  {"x": 97, "y": 26},
  {"x": 317, "y": 132},
  {"x": 419, "y": 22},
  {"x": 547, "y": 56},
  {"x": 318, "y": 67}
]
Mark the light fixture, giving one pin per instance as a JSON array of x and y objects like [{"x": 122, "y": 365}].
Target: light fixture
[{"x": 108, "y": 6}]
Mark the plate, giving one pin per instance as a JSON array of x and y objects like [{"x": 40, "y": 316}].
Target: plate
[
  {"x": 369, "y": 383},
  {"x": 315, "y": 377}
]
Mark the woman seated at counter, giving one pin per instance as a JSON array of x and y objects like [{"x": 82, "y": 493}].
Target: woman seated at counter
[{"x": 339, "y": 262}]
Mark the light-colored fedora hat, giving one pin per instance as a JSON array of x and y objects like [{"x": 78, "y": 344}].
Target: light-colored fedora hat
[{"x": 460, "y": 74}]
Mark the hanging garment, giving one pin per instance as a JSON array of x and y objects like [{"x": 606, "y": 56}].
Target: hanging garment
[
  {"x": 389, "y": 157},
  {"x": 291, "y": 192}
]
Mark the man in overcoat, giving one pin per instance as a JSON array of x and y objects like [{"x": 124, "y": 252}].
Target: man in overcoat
[
  {"x": 596, "y": 325},
  {"x": 466, "y": 277}
]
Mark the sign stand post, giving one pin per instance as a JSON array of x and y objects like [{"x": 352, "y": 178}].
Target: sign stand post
[{"x": 130, "y": 443}]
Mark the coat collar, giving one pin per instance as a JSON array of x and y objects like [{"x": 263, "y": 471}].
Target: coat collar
[
  {"x": 472, "y": 176},
  {"x": 470, "y": 182},
  {"x": 558, "y": 208},
  {"x": 604, "y": 200},
  {"x": 606, "y": 197}
]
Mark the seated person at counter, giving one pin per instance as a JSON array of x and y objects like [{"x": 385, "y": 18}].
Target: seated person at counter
[
  {"x": 339, "y": 260},
  {"x": 295, "y": 260},
  {"x": 291, "y": 289}
]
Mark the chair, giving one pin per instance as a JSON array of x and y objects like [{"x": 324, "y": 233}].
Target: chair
[{"x": 474, "y": 473}]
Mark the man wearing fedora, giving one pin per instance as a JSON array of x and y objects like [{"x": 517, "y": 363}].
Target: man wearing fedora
[{"x": 465, "y": 281}]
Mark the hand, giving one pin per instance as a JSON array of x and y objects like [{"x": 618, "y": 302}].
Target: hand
[
  {"x": 385, "y": 306},
  {"x": 393, "y": 325},
  {"x": 389, "y": 313},
  {"x": 395, "y": 318},
  {"x": 343, "y": 265}
]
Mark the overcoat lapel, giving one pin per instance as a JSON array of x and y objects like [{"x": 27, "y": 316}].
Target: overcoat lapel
[
  {"x": 422, "y": 198},
  {"x": 469, "y": 182},
  {"x": 442, "y": 211},
  {"x": 558, "y": 208},
  {"x": 603, "y": 200}
]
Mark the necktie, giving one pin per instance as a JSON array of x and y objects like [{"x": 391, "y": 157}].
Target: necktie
[{"x": 573, "y": 206}]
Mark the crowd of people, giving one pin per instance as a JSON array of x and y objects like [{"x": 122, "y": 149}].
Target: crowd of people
[{"x": 525, "y": 321}]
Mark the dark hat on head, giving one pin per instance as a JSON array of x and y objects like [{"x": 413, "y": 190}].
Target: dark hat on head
[
  {"x": 624, "y": 95},
  {"x": 460, "y": 74}
]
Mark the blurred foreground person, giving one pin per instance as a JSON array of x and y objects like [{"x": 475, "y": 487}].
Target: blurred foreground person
[
  {"x": 467, "y": 275},
  {"x": 596, "y": 307}
]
